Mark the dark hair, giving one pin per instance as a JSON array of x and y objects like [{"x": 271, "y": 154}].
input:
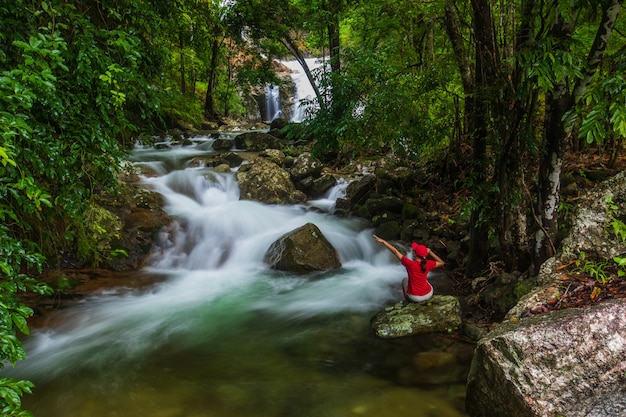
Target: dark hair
[{"x": 423, "y": 264}]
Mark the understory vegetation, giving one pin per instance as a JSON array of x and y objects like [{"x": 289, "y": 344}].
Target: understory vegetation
[{"x": 497, "y": 92}]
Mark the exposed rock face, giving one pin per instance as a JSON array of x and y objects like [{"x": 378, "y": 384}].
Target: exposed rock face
[
  {"x": 593, "y": 217},
  {"x": 266, "y": 182},
  {"x": 440, "y": 313},
  {"x": 592, "y": 232},
  {"x": 257, "y": 141},
  {"x": 305, "y": 249},
  {"x": 570, "y": 363}
]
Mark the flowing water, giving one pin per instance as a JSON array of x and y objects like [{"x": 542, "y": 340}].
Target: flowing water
[{"x": 219, "y": 334}]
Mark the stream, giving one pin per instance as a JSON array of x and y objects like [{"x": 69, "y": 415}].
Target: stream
[{"x": 219, "y": 334}]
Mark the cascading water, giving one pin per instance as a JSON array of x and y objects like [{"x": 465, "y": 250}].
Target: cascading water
[
  {"x": 219, "y": 334},
  {"x": 272, "y": 102},
  {"x": 304, "y": 100}
]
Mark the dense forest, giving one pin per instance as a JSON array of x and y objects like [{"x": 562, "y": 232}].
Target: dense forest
[{"x": 500, "y": 91}]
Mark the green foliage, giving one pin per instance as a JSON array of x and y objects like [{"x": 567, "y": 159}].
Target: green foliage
[
  {"x": 76, "y": 82},
  {"x": 599, "y": 270},
  {"x": 379, "y": 107},
  {"x": 617, "y": 226},
  {"x": 95, "y": 239},
  {"x": 11, "y": 392},
  {"x": 620, "y": 262}
]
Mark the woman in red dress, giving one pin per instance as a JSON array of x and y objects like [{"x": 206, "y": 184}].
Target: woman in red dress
[{"x": 416, "y": 286}]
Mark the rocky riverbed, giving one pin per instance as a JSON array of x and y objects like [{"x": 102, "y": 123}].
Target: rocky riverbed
[{"x": 403, "y": 204}]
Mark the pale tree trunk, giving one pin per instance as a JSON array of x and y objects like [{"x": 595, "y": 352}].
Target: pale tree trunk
[{"x": 557, "y": 131}]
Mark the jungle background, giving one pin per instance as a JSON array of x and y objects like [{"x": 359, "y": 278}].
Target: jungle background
[{"x": 499, "y": 96}]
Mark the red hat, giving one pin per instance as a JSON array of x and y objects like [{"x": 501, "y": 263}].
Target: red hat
[{"x": 420, "y": 250}]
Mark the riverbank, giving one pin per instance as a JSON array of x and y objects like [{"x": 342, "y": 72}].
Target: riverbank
[{"x": 407, "y": 202}]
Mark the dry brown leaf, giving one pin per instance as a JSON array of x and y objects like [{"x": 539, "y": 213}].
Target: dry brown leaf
[
  {"x": 561, "y": 267},
  {"x": 595, "y": 293}
]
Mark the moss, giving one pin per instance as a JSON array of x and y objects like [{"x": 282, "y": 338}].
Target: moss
[
  {"x": 524, "y": 287},
  {"x": 411, "y": 211}
]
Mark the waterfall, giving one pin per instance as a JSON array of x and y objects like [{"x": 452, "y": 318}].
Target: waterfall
[
  {"x": 304, "y": 97},
  {"x": 272, "y": 102},
  {"x": 304, "y": 100}
]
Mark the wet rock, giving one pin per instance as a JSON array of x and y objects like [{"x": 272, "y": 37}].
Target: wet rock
[
  {"x": 569, "y": 363},
  {"x": 387, "y": 229},
  {"x": 231, "y": 158},
  {"x": 278, "y": 123},
  {"x": 321, "y": 185},
  {"x": 304, "y": 249},
  {"x": 222, "y": 144},
  {"x": 222, "y": 168},
  {"x": 358, "y": 191},
  {"x": 257, "y": 141},
  {"x": 274, "y": 155},
  {"x": 304, "y": 166},
  {"x": 264, "y": 181},
  {"x": 130, "y": 220},
  {"x": 439, "y": 314},
  {"x": 384, "y": 204}
]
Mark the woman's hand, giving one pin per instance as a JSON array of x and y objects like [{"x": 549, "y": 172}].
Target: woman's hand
[{"x": 391, "y": 248}]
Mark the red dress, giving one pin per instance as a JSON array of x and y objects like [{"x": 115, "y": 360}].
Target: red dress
[{"x": 418, "y": 282}]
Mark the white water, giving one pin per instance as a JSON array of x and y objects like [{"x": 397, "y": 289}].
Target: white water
[
  {"x": 304, "y": 101},
  {"x": 220, "y": 318},
  {"x": 272, "y": 103}
]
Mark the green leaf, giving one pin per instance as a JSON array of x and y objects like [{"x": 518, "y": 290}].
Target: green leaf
[{"x": 20, "y": 322}]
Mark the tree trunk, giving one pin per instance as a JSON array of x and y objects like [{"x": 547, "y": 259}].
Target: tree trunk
[
  {"x": 209, "y": 103},
  {"x": 334, "y": 9},
  {"x": 557, "y": 131},
  {"x": 293, "y": 48},
  {"x": 462, "y": 125},
  {"x": 484, "y": 76},
  {"x": 183, "y": 84}
]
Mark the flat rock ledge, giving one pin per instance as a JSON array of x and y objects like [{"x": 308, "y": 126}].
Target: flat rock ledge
[
  {"x": 441, "y": 313},
  {"x": 566, "y": 363}
]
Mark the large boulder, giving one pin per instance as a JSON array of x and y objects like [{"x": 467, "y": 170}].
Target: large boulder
[
  {"x": 566, "y": 363},
  {"x": 304, "y": 249},
  {"x": 257, "y": 141},
  {"x": 439, "y": 314},
  {"x": 305, "y": 166},
  {"x": 266, "y": 182},
  {"x": 223, "y": 144}
]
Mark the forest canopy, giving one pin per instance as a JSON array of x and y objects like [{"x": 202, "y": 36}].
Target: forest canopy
[{"x": 499, "y": 91}]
